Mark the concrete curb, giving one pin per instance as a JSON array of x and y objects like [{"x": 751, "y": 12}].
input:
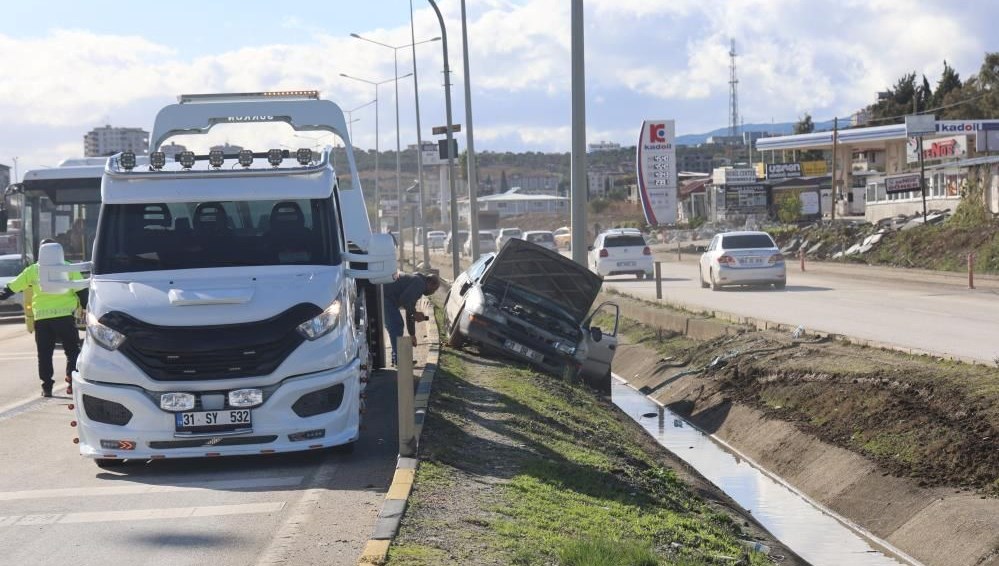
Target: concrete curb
[{"x": 397, "y": 496}]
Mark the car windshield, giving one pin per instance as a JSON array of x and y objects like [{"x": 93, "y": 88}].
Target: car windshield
[
  {"x": 624, "y": 241},
  {"x": 513, "y": 233},
  {"x": 10, "y": 267},
  {"x": 191, "y": 235},
  {"x": 746, "y": 241},
  {"x": 436, "y": 234},
  {"x": 543, "y": 237}
]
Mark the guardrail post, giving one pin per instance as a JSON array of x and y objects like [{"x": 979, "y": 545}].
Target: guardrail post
[
  {"x": 971, "y": 270},
  {"x": 404, "y": 382},
  {"x": 801, "y": 255},
  {"x": 659, "y": 280}
]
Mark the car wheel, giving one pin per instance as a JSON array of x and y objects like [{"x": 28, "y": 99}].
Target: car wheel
[
  {"x": 640, "y": 275},
  {"x": 714, "y": 284},
  {"x": 454, "y": 337},
  {"x": 780, "y": 286},
  {"x": 700, "y": 275}
]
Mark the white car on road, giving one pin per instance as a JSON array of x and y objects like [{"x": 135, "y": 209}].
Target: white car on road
[
  {"x": 621, "y": 251},
  {"x": 436, "y": 239},
  {"x": 507, "y": 233},
  {"x": 742, "y": 258},
  {"x": 486, "y": 243},
  {"x": 543, "y": 238},
  {"x": 10, "y": 267}
]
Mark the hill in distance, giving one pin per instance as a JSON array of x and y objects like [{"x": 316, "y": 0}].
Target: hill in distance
[{"x": 779, "y": 128}]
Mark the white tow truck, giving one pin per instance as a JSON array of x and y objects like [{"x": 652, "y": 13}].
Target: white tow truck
[{"x": 233, "y": 298}]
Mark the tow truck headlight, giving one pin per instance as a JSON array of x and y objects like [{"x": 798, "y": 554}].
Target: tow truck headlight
[
  {"x": 106, "y": 337},
  {"x": 244, "y": 398},
  {"x": 324, "y": 323},
  {"x": 177, "y": 401}
]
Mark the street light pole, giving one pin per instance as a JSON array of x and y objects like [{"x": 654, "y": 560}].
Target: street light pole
[
  {"x": 578, "y": 164},
  {"x": 419, "y": 139},
  {"x": 455, "y": 266},
  {"x": 398, "y": 145},
  {"x": 473, "y": 183}
]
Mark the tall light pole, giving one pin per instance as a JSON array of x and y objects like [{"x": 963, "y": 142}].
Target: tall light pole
[
  {"x": 456, "y": 267},
  {"x": 376, "y": 84},
  {"x": 419, "y": 139},
  {"x": 473, "y": 182},
  {"x": 578, "y": 199},
  {"x": 398, "y": 146},
  {"x": 351, "y": 119}
]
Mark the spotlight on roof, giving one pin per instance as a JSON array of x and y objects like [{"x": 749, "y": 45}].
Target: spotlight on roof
[
  {"x": 186, "y": 159},
  {"x": 216, "y": 158},
  {"x": 157, "y": 160},
  {"x": 127, "y": 160},
  {"x": 245, "y": 158},
  {"x": 304, "y": 156},
  {"x": 274, "y": 157}
]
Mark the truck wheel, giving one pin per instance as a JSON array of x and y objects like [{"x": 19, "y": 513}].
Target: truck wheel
[{"x": 454, "y": 337}]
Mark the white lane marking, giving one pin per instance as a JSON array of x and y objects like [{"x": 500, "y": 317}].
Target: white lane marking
[
  {"x": 141, "y": 514},
  {"x": 279, "y": 550},
  {"x": 136, "y": 489}
]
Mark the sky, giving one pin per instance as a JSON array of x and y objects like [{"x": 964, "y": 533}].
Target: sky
[{"x": 73, "y": 66}]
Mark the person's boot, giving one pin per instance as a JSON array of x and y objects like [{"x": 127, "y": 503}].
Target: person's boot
[
  {"x": 47, "y": 389},
  {"x": 69, "y": 388}
]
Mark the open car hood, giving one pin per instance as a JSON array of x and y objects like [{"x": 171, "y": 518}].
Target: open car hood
[{"x": 546, "y": 274}]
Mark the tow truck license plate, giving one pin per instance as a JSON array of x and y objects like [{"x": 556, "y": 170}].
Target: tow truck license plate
[
  {"x": 221, "y": 419},
  {"x": 522, "y": 349}
]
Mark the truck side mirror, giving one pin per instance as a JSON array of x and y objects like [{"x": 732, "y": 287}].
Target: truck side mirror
[
  {"x": 53, "y": 271},
  {"x": 378, "y": 265}
]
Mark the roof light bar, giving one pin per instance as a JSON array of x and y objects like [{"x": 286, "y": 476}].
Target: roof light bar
[
  {"x": 216, "y": 158},
  {"x": 304, "y": 156},
  {"x": 237, "y": 96},
  {"x": 157, "y": 160},
  {"x": 274, "y": 157},
  {"x": 245, "y": 158},
  {"x": 186, "y": 159},
  {"x": 127, "y": 160}
]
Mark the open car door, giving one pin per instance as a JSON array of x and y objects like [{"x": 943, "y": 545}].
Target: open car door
[{"x": 601, "y": 345}]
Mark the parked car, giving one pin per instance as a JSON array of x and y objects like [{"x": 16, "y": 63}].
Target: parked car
[
  {"x": 621, "y": 252},
  {"x": 487, "y": 243},
  {"x": 449, "y": 242},
  {"x": 10, "y": 266},
  {"x": 507, "y": 233},
  {"x": 533, "y": 304},
  {"x": 563, "y": 237},
  {"x": 436, "y": 239},
  {"x": 742, "y": 258},
  {"x": 542, "y": 238}
]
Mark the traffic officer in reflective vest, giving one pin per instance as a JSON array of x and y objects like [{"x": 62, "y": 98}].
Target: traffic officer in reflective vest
[{"x": 54, "y": 322}]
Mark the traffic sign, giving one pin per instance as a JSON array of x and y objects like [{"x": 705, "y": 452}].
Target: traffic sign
[{"x": 442, "y": 130}]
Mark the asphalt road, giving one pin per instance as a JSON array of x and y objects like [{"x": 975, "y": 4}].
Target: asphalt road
[
  {"x": 58, "y": 508},
  {"x": 932, "y": 312}
]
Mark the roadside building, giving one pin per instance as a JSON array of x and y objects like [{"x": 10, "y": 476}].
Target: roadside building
[
  {"x": 105, "y": 141},
  {"x": 513, "y": 203},
  {"x": 692, "y": 199},
  {"x": 866, "y": 157}
]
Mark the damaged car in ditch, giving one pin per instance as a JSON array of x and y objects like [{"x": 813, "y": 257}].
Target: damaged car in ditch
[{"x": 532, "y": 304}]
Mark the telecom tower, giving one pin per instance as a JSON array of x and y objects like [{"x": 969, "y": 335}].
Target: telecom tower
[{"x": 733, "y": 95}]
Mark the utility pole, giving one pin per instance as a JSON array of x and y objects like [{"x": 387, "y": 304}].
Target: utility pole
[
  {"x": 578, "y": 165},
  {"x": 473, "y": 182},
  {"x": 455, "y": 259},
  {"x": 922, "y": 177},
  {"x": 832, "y": 212},
  {"x": 419, "y": 142}
]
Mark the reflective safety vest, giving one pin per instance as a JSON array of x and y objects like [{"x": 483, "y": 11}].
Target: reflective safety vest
[{"x": 45, "y": 305}]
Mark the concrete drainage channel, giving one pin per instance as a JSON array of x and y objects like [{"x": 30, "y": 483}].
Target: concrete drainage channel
[{"x": 814, "y": 533}]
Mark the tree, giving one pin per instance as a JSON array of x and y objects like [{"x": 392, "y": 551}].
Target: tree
[
  {"x": 949, "y": 82},
  {"x": 504, "y": 186},
  {"x": 804, "y": 125},
  {"x": 789, "y": 207}
]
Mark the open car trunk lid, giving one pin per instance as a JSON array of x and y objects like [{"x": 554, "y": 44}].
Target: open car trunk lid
[{"x": 546, "y": 274}]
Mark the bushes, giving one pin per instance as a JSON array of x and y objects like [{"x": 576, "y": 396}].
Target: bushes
[{"x": 789, "y": 208}]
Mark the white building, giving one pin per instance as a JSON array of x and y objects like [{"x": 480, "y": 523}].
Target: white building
[
  {"x": 511, "y": 203},
  {"x": 602, "y": 146},
  {"x": 101, "y": 142}
]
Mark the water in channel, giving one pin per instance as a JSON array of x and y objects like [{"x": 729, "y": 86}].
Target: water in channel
[{"x": 813, "y": 534}]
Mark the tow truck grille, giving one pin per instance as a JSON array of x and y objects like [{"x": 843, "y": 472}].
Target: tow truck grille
[{"x": 192, "y": 353}]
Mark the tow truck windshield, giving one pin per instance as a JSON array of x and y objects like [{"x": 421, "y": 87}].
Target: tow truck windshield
[{"x": 192, "y": 235}]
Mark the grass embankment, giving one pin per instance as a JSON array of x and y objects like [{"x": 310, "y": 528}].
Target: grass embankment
[
  {"x": 520, "y": 468},
  {"x": 933, "y": 420}
]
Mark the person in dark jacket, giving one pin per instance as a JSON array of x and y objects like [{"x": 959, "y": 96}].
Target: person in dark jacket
[{"x": 403, "y": 294}]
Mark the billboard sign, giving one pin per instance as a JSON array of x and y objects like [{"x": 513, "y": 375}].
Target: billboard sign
[
  {"x": 814, "y": 168},
  {"x": 747, "y": 199},
  {"x": 920, "y": 124},
  {"x": 655, "y": 162},
  {"x": 987, "y": 139},
  {"x": 430, "y": 154},
  {"x": 733, "y": 176},
  {"x": 902, "y": 183},
  {"x": 954, "y": 147},
  {"x": 783, "y": 170}
]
